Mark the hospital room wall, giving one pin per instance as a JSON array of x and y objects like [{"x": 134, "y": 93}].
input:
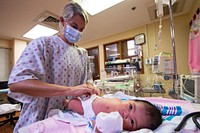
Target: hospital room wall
[
  {"x": 5, "y": 43},
  {"x": 16, "y": 47},
  {"x": 181, "y": 25}
]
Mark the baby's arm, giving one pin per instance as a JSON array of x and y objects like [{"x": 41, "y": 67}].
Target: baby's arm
[{"x": 74, "y": 105}]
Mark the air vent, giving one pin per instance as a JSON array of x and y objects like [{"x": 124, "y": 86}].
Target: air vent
[
  {"x": 177, "y": 7},
  {"x": 49, "y": 19}
]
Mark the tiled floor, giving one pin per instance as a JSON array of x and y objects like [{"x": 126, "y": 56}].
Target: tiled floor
[{"x": 7, "y": 128}]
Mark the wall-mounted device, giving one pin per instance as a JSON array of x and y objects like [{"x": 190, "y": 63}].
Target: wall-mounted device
[
  {"x": 139, "y": 39},
  {"x": 148, "y": 61},
  {"x": 190, "y": 87},
  {"x": 163, "y": 64}
]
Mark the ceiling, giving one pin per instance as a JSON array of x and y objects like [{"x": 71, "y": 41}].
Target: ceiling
[{"x": 17, "y": 17}]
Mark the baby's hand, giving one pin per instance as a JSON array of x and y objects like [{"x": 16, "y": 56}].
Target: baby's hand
[{"x": 65, "y": 102}]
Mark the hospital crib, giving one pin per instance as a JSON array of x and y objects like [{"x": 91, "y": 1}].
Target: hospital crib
[{"x": 129, "y": 88}]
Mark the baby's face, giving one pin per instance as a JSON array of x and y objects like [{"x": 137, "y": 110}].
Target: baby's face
[{"x": 133, "y": 114}]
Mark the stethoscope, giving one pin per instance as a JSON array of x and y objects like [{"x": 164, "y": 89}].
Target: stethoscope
[{"x": 194, "y": 116}]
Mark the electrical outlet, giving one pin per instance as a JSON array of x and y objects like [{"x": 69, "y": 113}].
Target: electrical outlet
[{"x": 148, "y": 61}]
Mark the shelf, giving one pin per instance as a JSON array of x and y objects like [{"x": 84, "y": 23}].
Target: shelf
[
  {"x": 112, "y": 69},
  {"x": 130, "y": 67},
  {"x": 116, "y": 63}
]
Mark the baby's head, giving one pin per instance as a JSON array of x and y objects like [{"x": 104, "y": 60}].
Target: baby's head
[
  {"x": 139, "y": 114},
  {"x": 153, "y": 115}
]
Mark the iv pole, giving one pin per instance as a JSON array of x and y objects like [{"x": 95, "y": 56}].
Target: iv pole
[{"x": 175, "y": 90}]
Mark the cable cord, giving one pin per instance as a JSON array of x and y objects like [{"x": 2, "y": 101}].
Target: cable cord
[
  {"x": 194, "y": 118},
  {"x": 194, "y": 115}
]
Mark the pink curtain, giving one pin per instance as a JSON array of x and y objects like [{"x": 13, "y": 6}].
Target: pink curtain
[{"x": 194, "y": 44}]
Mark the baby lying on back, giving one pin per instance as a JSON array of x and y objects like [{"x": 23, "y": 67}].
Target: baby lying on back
[{"x": 136, "y": 114}]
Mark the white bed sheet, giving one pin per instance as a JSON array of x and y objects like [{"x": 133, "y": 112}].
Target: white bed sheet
[{"x": 196, "y": 106}]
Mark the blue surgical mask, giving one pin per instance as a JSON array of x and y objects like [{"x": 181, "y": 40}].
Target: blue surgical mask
[{"x": 72, "y": 35}]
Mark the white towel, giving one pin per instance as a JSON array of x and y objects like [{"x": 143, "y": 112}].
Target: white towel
[{"x": 9, "y": 108}]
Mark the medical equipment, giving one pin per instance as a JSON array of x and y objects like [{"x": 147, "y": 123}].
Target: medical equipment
[
  {"x": 163, "y": 64},
  {"x": 194, "y": 116},
  {"x": 159, "y": 6},
  {"x": 160, "y": 14},
  {"x": 189, "y": 87},
  {"x": 175, "y": 76}
]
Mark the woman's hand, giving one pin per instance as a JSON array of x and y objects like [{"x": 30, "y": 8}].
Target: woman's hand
[{"x": 85, "y": 89}]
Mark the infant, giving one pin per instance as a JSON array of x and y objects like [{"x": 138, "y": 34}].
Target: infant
[{"x": 136, "y": 114}]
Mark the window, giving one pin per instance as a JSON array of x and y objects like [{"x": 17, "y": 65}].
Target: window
[
  {"x": 94, "y": 62},
  {"x": 122, "y": 56},
  {"x": 112, "y": 52},
  {"x": 129, "y": 48}
]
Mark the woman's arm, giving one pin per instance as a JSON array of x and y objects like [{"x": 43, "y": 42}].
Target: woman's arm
[{"x": 38, "y": 88}]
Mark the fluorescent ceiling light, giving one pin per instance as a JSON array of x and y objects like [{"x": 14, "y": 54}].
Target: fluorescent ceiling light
[
  {"x": 38, "y": 31},
  {"x": 95, "y": 6}
]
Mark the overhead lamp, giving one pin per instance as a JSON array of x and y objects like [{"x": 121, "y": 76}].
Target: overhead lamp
[
  {"x": 39, "y": 31},
  {"x": 96, "y": 6}
]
